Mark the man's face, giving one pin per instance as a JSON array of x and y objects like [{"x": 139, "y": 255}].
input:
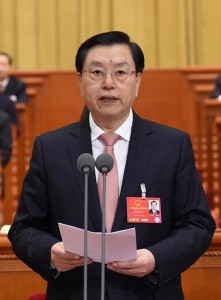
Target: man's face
[
  {"x": 154, "y": 206},
  {"x": 109, "y": 98},
  {"x": 5, "y": 67}
]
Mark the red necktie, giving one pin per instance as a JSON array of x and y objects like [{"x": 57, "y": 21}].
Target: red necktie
[{"x": 112, "y": 188}]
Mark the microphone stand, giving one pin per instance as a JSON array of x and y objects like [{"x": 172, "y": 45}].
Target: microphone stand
[
  {"x": 104, "y": 174},
  {"x": 104, "y": 164},
  {"x": 86, "y": 173}
]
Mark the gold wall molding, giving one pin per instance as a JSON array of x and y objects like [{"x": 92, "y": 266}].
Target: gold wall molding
[{"x": 45, "y": 34}]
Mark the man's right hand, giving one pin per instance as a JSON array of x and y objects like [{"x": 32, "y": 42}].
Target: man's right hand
[{"x": 65, "y": 261}]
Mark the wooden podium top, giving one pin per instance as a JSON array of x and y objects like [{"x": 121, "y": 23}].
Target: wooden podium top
[
  {"x": 206, "y": 270},
  {"x": 5, "y": 245}
]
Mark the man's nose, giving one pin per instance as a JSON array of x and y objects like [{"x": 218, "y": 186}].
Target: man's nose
[{"x": 108, "y": 80}]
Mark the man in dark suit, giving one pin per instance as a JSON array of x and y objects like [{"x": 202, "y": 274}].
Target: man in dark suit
[
  {"x": 216, "y": 93},
  {"x": 5, "y": 155},
  {"x": 154, "y": 210},
  {"x": 8, "y": 106},
  {"x": 5, "y": 138},
  {"x": 109, "y": 70},
  {"x": 11, "y": 86}
]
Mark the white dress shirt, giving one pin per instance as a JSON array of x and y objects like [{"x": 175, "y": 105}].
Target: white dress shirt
[
  {"x": 120, "y": 147},
  {"x": 5, "y": 82}
]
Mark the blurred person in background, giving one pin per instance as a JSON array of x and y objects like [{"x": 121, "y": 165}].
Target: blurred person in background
[
  {"x": 5, "y": 154},
  {"x": 216, "y": 93},
  {"x": 11, "y": 86},
  {"x": 8, "y": 106}
]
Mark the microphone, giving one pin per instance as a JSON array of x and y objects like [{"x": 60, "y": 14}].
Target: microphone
[
  {"x": 85, "y": 164},
  {"x": 104, "y": 163}
]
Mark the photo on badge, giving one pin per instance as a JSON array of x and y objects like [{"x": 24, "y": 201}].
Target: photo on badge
[{"x": 154, "y": 210}]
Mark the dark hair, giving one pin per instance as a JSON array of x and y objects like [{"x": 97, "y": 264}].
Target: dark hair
[
  {"x": 108, "y": 39},
  {"x": 8, "y": 57},
  {"x": 153, "y": 202}
]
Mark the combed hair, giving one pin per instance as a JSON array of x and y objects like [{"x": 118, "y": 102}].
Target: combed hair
[{"x": 108, "y": 39}]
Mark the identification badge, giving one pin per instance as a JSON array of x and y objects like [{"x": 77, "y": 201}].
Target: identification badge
[{"x": 140, "y": 210}]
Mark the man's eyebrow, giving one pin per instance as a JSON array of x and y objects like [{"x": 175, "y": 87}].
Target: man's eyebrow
[
  {"x": 121, "y": 64},
  {"x": 115, "y": 64},
  {"x": 96, "y": 63}
]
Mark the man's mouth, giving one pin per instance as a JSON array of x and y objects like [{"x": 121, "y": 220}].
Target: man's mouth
[{"x": 108, "y": 99}]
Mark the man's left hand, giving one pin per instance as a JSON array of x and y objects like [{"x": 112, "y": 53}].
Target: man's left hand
[{"x": 139, "y": 267}]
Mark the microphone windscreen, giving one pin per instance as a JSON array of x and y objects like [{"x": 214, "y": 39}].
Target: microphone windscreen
[
  {"x": 86, "y": 160},
  {"x": 104, "y": 160}
]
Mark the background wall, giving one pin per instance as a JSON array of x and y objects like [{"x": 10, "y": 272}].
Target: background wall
[{"x": 45, "y": 34}]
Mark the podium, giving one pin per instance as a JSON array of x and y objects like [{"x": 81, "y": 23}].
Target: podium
[
  {"x": 200, "y": 281},
  {"x": 17, "y": 281}
]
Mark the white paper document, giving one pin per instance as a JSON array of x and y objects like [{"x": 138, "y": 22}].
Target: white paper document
[{"x": 119, "y": 245}]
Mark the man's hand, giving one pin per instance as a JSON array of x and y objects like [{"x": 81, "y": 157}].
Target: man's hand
[
  {"x": 65, "y": 261},
  {"x": 139, "y": 267}
]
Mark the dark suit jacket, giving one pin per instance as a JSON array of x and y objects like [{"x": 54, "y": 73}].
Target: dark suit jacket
[
  {"x": 8, "y": 106},
  {"x": 217, "y": 90},
  {"x": 5, "y": 139},
  {"x": 53, "y": 191},
  {"x": 16, "y": 87},
  {"x": 151, "y": 211}
]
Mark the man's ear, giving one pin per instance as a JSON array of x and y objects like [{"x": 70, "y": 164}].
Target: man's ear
[
  {"x": 79, "y": 78},
  {"x": 138, "y": 81}
]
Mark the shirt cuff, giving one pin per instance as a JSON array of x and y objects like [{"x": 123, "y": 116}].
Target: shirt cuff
[{"x": 55, "y": 273}]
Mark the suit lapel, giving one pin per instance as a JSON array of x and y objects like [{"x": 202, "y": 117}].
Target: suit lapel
[
  {"x": 139, "y": 153},
  {"x": 8, "y": 87},
  {"x": 79, "y": 141}
]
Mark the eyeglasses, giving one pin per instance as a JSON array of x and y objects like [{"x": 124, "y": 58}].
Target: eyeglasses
[{"x": 97, "y": 74}]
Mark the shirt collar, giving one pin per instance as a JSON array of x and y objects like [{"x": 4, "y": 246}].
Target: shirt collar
[
  {"x": 124, "y": 130},
  {"x": 5, "y": 82}
]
